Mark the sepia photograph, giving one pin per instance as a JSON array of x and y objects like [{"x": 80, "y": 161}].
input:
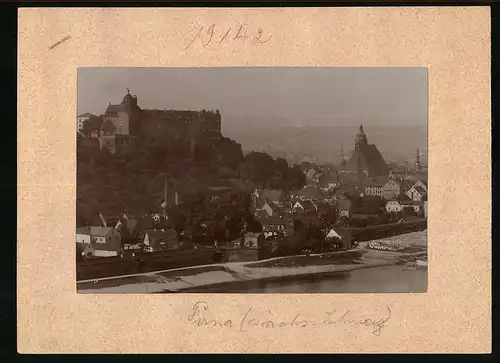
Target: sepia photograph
[{"x": 251, "y": 180}]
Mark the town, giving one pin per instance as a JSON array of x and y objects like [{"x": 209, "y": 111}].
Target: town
[{"x": 165, "y": 181}]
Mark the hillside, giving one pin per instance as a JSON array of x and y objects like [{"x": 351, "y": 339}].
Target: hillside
[{"x": 135, "y": 182}]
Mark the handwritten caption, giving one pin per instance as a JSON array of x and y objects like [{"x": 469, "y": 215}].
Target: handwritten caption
[
  {"x": 218, "y": 35},
  {"x": 252, "y": 319}
]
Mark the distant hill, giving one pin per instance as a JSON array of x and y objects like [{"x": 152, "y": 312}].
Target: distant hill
[{"x": 322, "y": 144}]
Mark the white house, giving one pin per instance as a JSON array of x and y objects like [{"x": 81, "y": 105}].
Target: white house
[
  {"x": 333, "y": 234},
  {"x": 344, "y": 208},
  {"x": 391, "y": 189},
  {"x": 393, "y": 206},
  {"x": 374, "y": 189},
  {"x": 107, "y": 241},
  {"x": 416, "y": 193},
  {"x": 80, "y": 119},
  {"x": 99, "y": 241},
  {"x": 83, "y": 235}
]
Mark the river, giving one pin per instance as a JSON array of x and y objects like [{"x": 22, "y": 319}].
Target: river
[
  {"x": 385, "y": 279},
  {"x": 377, "y": 273}
]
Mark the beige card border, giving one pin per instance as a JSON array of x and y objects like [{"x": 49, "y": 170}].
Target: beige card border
[{"x": 454, "y": 43}]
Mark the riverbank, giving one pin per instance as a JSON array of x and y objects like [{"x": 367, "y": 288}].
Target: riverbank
[{"x": 237, "y": 275}]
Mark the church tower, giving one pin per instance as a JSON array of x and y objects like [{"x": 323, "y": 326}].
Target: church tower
[
  {"x": 418, "y": 167},
  {"x": 361, "y": 139},
  {"x": 366, "y": 160}
]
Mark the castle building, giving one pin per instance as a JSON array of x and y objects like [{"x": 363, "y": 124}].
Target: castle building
[
  {"x": 366, "y": 160},
  {"x": 126, "y": 123}
]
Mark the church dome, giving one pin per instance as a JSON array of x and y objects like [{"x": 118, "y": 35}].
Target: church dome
[{"x": 361, "y": 137}]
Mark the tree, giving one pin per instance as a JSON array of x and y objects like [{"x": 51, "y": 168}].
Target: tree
[
  {"x": 298, "y": 225},
  {"x": 373, "y": 204},
  {"x": 260, "y": 166},
  {"x": 91, "y": 124},
  {"x": 328, "y": 217},
  {"x": 235, "y": 226},
  {"x": 252, "y": 224},
  {"x": 295, "y": 178}
]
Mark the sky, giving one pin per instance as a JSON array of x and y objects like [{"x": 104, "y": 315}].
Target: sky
[{"x": 290, "y": 96}]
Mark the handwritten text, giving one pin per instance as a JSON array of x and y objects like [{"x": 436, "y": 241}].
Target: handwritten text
[
  {"x": 199, "y": 316},
  {"x": 214, "y": 35}
]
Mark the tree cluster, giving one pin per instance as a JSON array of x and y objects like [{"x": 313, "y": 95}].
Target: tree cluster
[{"x": 266, "y": 172}]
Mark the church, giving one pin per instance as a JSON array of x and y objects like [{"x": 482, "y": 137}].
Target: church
[{"x": 366, "y": 159}]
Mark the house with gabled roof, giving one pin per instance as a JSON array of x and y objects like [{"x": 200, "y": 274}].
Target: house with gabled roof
[
  {"x": 391, "y": 189},
  {"x": 99, "y": 241},
  {"x": 395, "y": 187},
  {"x": 272, "y": 208},
  {"x": 421, "y": 183},
  {"x": 161, "y": 239},
  {"x": 416, "y": 193},
  {"x": 304, "y": 206}
]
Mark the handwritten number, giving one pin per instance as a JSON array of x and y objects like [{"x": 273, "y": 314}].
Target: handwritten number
[
  {"x": 241, "y": 34},
  {"x": 210, "y": 32},
  {"x": 245, "y": 36},
  {"x": 237, "y": 36},
  {"x": 225, "y": 35},
  {"x": 257, "y": 39},
  {"x": 195, "y": 37}
]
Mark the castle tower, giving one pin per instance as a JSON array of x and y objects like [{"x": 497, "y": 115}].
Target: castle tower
[{"x": 418, "y": 167}]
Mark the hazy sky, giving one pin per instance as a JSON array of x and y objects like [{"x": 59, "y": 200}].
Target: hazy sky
[{"x": 251, "y": 96}]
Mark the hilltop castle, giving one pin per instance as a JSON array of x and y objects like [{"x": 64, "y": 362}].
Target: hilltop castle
[{"x": 125, "y": 123}]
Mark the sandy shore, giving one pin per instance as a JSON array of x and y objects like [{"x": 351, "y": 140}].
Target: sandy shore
[{"x": 193, "y": 278}]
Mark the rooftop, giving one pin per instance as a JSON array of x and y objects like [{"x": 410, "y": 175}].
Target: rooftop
[{"x": 100, "y": 231}]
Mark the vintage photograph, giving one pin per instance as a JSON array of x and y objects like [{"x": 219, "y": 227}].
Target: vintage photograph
[{"x": 251, "y": 180}]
